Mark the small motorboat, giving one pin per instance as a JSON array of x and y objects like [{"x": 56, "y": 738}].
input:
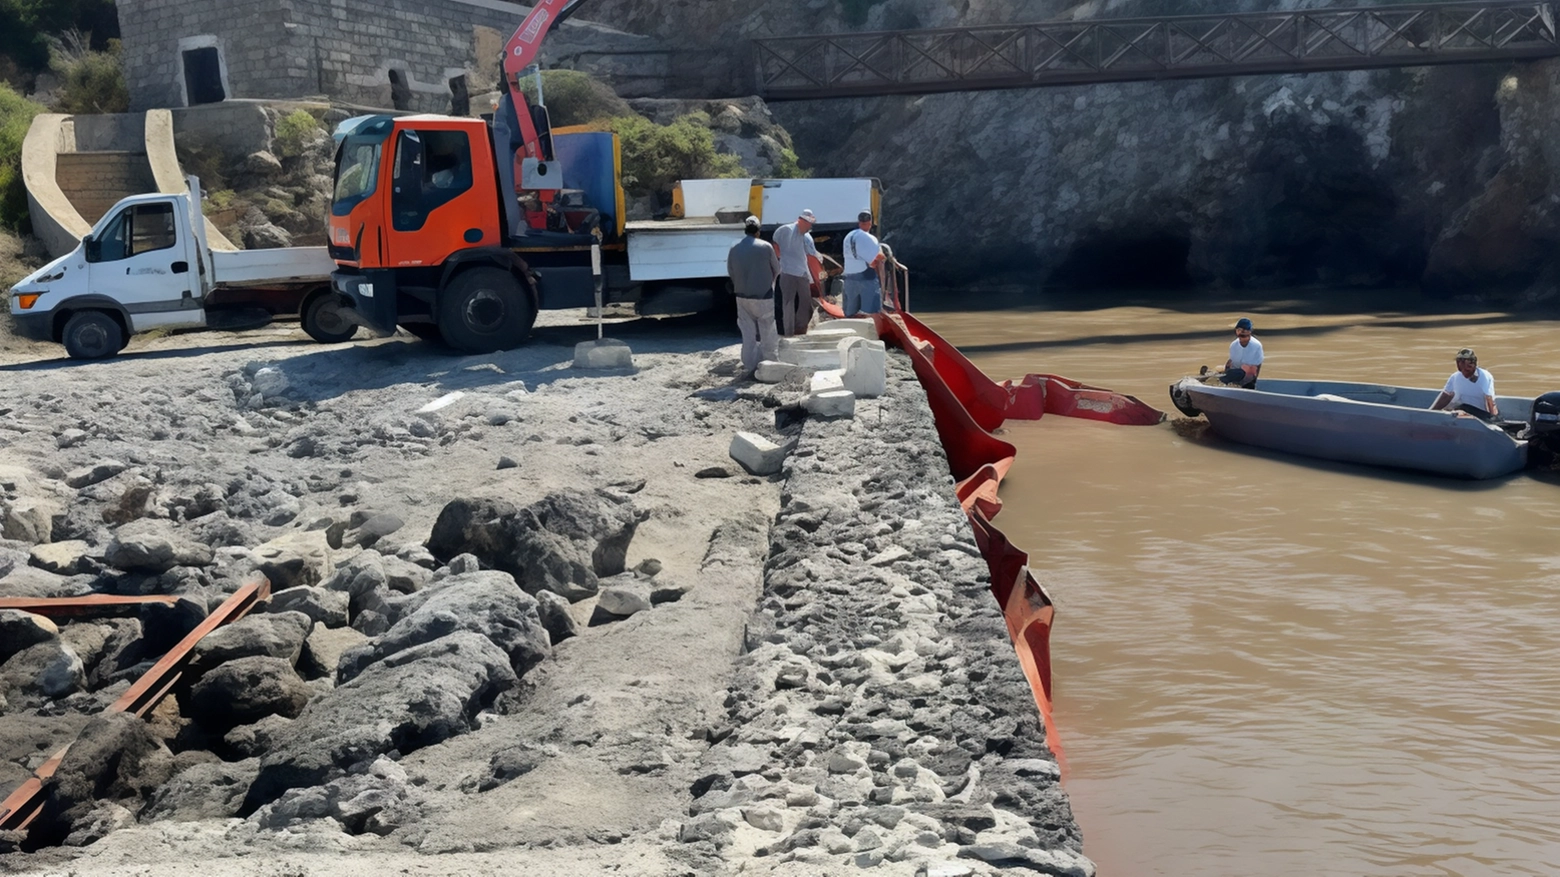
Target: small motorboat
[{"x": 1374, "y": 424}]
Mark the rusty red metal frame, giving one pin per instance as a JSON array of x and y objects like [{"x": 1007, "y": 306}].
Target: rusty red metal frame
[
  {"x": 92, "y": 604},
  {"x": 933, "y": 60},
  {"x": 19, "y": 809}
]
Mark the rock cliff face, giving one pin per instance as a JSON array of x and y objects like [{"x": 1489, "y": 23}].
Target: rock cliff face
[{"x": 1439, "y": 176}]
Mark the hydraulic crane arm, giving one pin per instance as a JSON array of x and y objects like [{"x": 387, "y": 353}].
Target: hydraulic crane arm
[{"x": 526, "y": 44}]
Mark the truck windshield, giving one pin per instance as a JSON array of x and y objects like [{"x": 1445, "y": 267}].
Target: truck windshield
[{"x": 357, "y": 170}]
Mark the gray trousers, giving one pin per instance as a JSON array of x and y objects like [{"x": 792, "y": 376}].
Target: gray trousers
[
  {"x": 795, "y": 304},
  {"x": 756, "y": 320}
]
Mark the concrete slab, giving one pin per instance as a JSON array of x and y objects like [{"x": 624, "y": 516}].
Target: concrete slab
[
  {"x": 831, "y": 403},
  {"x": 603, "y": 353},
  {"x": 758, "y": 455},
  {"x": 866, "y": 367}
]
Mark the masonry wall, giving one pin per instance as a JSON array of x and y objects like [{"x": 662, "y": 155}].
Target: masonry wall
[
  {"x": 256, "y": 39},
  {"x": 343, "y": 49}
]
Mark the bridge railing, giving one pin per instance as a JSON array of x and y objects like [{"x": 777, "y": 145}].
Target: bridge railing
[{"x": 1176, "y": 47}]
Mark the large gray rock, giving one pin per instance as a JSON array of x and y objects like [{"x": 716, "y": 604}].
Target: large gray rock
[
  {"x": 115, "y": 759},
  {"x": 485, "y": 602},
  {"x": 154, "y": 546},
  {"x": 271, "y": 635},
  {"x": 245, "y": 690},
  {"x": 208, "y": 790},
  {"x": 21, "y": 630},
  {"x": 325, "y": 606},
  {"x": 323, "y": 649},
  {"x": 562, "y": 543},
  {"x": 296, "y": 559},
  {"x": 554, "y": 612},
  {"x": 411, "y": 699},
  {"x": 50, "y": 668}
]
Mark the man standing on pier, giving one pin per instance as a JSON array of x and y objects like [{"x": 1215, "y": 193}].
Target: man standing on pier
[
  {"x": 795, "y": 244},
  {"x": 753, "y": 266},
  {"x": 863, "y": 269}
]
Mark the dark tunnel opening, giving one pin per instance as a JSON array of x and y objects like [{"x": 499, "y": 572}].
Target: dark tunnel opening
[{"x": 1126, "y": 260}]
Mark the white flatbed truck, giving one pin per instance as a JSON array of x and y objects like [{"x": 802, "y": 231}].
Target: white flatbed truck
[{"x": 146, "y": 265}]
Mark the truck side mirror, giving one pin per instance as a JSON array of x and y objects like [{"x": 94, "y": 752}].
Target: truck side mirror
[{"x": 93, "y": 248}]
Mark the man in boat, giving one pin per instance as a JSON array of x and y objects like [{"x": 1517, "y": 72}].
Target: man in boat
[
  {"x": 1470, "y": 389},
  {"x": 1245, "y": 358}
]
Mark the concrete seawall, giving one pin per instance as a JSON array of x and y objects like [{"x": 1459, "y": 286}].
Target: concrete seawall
[{"x": 880, "y": 689}]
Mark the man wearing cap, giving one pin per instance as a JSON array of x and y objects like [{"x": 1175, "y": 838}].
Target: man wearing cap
[
  {"x": 752, "y": 266},
  {"x": 1470, "y": 389},
  {"x": 1245, "y": 358},
  {"x": 795, "y": 244},
  {"x": 863, "y": 269}
]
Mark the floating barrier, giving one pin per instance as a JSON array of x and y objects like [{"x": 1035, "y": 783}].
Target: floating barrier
[{"x": 966, "y": 405}]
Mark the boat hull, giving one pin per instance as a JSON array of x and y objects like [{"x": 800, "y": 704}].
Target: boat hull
[{"x": 1360, "y": 423}]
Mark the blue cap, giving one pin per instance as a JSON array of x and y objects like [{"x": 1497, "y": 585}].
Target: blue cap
[{"x": 1243, "y": 323}]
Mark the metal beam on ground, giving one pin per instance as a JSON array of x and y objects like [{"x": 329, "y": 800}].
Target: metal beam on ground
[{"x": 19, "y": 808}]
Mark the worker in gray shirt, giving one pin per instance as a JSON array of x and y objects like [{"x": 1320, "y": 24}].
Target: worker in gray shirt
[
  {"x": 795, "y": 245},
  {"x": 753, "y": 266}
]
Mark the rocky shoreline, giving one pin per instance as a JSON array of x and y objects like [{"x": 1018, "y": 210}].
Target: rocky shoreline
[{"x": 522, "y": 613}]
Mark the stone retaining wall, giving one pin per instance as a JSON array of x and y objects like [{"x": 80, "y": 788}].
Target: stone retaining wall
[
  {"x": 881, "y": 715},
  {"x": 348, "y": 49}
]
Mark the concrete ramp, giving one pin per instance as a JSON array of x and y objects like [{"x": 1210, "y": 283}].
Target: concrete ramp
[{"x": 77, "y": 167}]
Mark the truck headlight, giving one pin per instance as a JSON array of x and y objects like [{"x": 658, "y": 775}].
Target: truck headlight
[{"x": 26, "y": 300}]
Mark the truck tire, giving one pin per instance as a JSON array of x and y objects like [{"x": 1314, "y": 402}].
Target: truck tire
[
  {"x": 92, "y": 335},
  {"x": 323, "y": 319},
  {"x": 485, "y": 309}
]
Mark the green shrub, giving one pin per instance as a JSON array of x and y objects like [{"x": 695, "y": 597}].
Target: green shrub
[
  {"x": 90, "y": 81},
  {"x": 25, "y": 23},
  {"x": 16, "y": 115},
  {"x": 656, "y": 156},
  {"x": 221, "y": 198},
  {"x": 574, "y": 98},
  {"x": 790, "y": 167},
  {"x": 294, "y": 133}
]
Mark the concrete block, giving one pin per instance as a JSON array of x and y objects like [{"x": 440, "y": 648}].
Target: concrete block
[
  {"x": 829, "y": 379},
  {"x": 831, "y": 403},
  {"x": 772, "y": 372},
  {"x": 866, "y": 367},
  {"x": 603, "y": 353},
  {"x": 866, "y": 328},
  {"x": 758, "y": 455},
  {"x": 798, "y": 351}
]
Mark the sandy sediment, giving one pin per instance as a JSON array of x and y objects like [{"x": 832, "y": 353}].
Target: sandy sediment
[{"x": 817, "y": 680}]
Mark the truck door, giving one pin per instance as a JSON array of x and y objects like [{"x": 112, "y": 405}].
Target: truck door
[
  {"x": 436, "y": 206},
  {"x": 138, "y": 260}
]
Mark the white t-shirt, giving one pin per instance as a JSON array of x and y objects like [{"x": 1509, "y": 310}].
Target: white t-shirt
[
  {"x": 861, "y": 248},
  {"x": 1466, "y": 392},
  {"x": 1251, "y": 354}
]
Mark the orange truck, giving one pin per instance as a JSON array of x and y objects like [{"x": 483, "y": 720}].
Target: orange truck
[{"x": 462, "y": 229}]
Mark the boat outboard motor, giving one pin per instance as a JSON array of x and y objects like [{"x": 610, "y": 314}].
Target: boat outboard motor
[{"x": 1543, "y": 432}]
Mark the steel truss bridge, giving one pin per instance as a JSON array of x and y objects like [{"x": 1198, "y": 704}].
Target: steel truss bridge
[{"x": 1174, "y": 47}]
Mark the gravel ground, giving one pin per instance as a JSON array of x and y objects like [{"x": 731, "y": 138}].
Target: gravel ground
[{"x": 833, "y": 690}]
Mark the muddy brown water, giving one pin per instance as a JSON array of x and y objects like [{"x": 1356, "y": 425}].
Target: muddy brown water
[{"x": 1269, "y": 666}]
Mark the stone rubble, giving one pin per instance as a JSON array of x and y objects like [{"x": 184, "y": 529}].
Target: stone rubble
[{"x": 876, "y": 717}]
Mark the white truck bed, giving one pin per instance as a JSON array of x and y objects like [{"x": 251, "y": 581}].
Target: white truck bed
[
  {"x": 678, "y": 249},
  {"x": 265, "y": 267}
]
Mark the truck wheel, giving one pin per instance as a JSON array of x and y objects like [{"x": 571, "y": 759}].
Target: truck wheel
[
  {"x": 92, "y": 335},
  {"x": 324, "y": 321},
  {"x": 485, "y": 309}
]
